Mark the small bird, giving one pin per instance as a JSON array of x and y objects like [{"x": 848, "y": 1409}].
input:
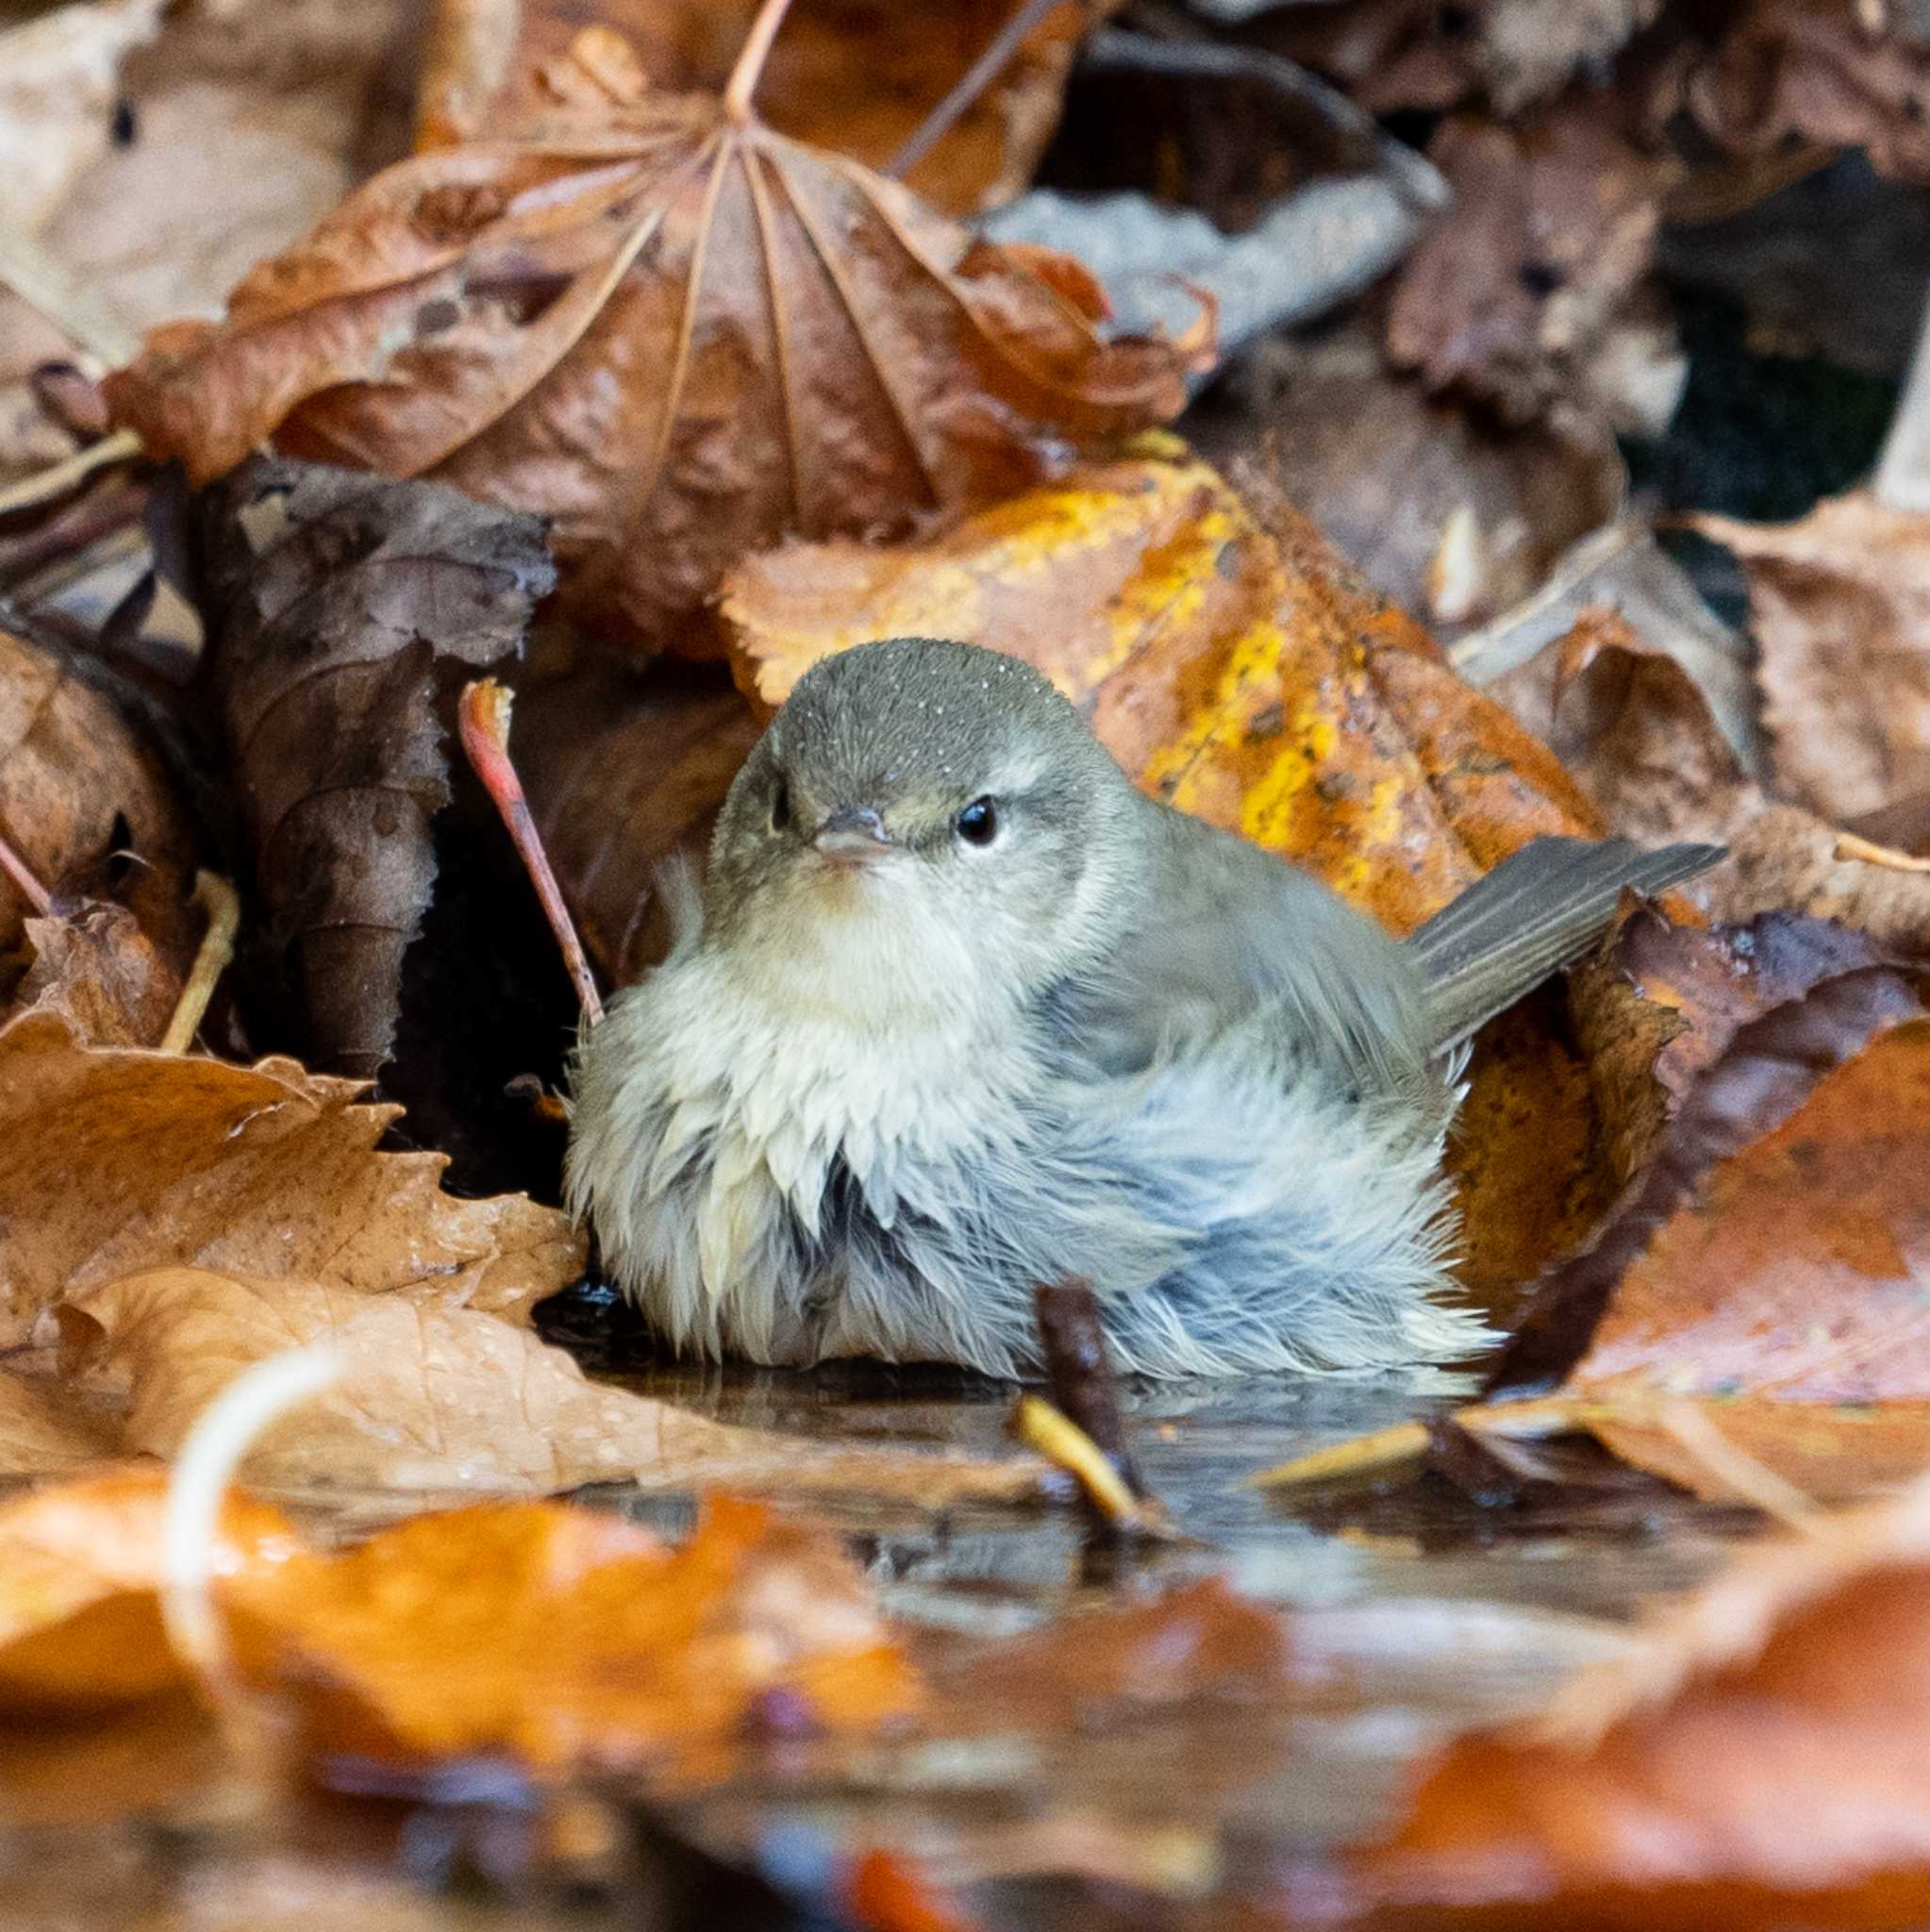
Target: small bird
[{"x": 958, "y": 1010}]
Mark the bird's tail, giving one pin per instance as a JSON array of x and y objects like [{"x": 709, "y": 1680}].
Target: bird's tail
[{"x": 1539, "y": 908}]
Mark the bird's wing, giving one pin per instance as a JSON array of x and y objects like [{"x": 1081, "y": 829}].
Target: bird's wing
[
  {"x": 1228, "y": 934},
  {"x": 1537, "y": 910}
]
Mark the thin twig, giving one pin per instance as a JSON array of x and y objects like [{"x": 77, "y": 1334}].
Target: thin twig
[
  {"x": 44, "y": 486},
  {"x": 216, "y": 898},
  {"x": 1849, "y": 846},
  {"x": 1356, "y": 1455},
  {"x": 21, "y": 874},
  {"x": 1062, "y": 1441},
  {"x": 960, "y": 97},
  {"x": 484, "y": 716},
  {"x": 742, "y": 84}
]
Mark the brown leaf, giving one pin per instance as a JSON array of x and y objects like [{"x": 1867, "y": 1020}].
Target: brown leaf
[
  {"x": 1443, "y": 512},
  {"x": 1631, "y": 726},
  {"x": 857, "y": 78},
  {"x": 1757, "y": 1761},
  {"x": 1754, "y": 1015},
  {"x": 519, "y": 1630},
  {"x": 1395, "y": 53},
  {"x": 348, "y": 606},
  {"x": 115, "y": 1160},
  {"x": 1823, "y": 70},
  {"x": 95, "y": 968},
  {"x": 1552, "y": 227},
  {"x": 437, "y": 1394},
  {"x": 77, "y": 781},
  {"x": 46, "y": 1428},
  {"x": 81, "y": 1629},
  {"x": 1838, "y": 605},
  {"x": 622, "y": 771},
  {"x": 502, "y": 317}
]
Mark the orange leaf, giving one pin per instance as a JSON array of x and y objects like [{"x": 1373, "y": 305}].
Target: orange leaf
[
  {"x": 81, "y": 1568},
  {"x": 670, "y": 329}
]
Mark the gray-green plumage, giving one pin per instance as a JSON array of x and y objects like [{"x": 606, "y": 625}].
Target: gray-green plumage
[{"x": 960, "y": 1011}]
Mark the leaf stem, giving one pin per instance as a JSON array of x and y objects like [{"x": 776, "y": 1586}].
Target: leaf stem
[
  {"x": 218, "y": 899},
  {"x": 749, "y": 70},
  {"x": 21, "y": 874},
  {"x": 484, "y": 716},
  {"x": 969, "y": 86}
]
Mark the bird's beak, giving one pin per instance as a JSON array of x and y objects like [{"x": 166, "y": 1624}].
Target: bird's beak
[{"x": 852, "y": 835}]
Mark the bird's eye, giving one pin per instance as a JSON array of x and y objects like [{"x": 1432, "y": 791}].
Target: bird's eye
[
  {"x": 780, "y": 807},
  {"x": 978, "y": 823}
]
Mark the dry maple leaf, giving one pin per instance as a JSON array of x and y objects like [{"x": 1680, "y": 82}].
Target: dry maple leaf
[
  {"x": 1757, "y": 1761},
  {"x": 115, "y": 1160},
  {"x": 465, "y": 1635},
  {"x": 94, "y": 966},
  {"x": 346, "y": 606},
  {"x": 1839, "y": 605},
  {"x": 80, "y": 1572},
  {"x": 858, "y": 76},
  {"x": 437, "y": 1395},
  {"x": 672, "y": 331}
]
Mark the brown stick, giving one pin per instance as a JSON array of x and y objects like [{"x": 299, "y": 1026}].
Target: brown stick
[
  {"x": 484, "y": 715},
  {"x": 968, "y": 87},
  {"x": 218, "y": 899}
]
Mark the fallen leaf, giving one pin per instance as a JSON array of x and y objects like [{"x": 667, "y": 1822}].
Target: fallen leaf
[
  {"x": 115, "y": 1160},
  {"x": 78, "y": 781},
  {"x": 1838, "y": 603},
  {"x": 1794, "y": 1275},
  {"x": 501, "y": 316},
  {"x": 94, "y": 966},
  {"x": 1826, "y": 70},
  {"x": 1753, "y": 1015},
  {"x": 346, "y": 610},
  {"x": 80, "y": 1629},
  {"x": 519, "y": 1630},
  {"x": 1633, "y": 730},
  {"x": 1552, "y": 227},
  {"x": 440, "y": 1395},
  {"x": 1441, "y": 511},
  {"x": 622, "y": 771},
  {"x": 857, "y": 77},
  {"x": 57, "y": 89},
  {"x": 1394, "y": 53},
  {"x": 46, "y": 1428},
  {"x": 1755, "y": 1761}
]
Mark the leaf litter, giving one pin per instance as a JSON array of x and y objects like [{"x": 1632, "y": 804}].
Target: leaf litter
[{"x": 1692, "y": 1163}]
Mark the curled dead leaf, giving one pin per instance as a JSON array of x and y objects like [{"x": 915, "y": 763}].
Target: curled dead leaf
[
  {"x": 116, "y": 1161},
  {"x": 501, "y": 316},
  {"x": 94, "y": 966},
  {"x": 347, "y": 606}
]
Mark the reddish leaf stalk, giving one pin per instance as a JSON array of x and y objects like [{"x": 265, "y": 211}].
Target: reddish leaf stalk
[{"x": 484, "y": 716}]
